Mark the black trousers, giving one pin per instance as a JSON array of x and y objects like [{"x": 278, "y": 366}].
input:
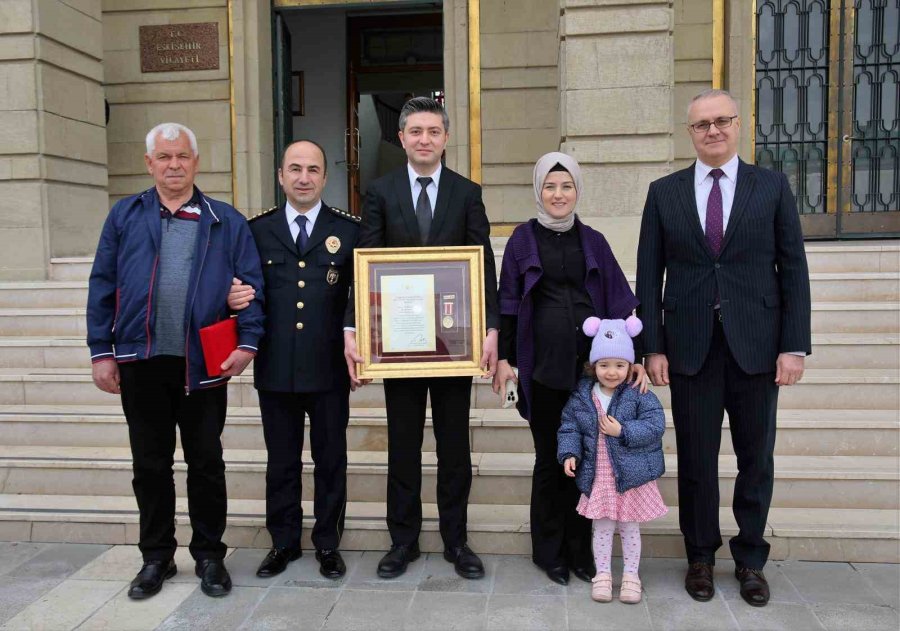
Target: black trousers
[
  {"x": 559, "y": 535},
  {"x": 154, "y": 402},
  {"x": 698, "y": 405},
  {"x": 282, "y": 419},
  {"x": 406, "y": 401}
]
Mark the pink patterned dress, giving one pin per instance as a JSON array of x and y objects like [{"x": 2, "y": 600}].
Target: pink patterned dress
[{"x": 640, "y": 504}]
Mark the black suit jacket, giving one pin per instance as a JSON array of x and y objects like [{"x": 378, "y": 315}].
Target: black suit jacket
[
  {"x": 389, "y": 220},
  {"x": 311, "y": 358},
  {"x": 760, "y": 273}
]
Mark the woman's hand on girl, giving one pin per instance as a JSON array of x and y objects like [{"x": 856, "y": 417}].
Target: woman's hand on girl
[
  {"x": 610, "y": 426},
  {"x": 569, "y": 465},
  {"x": 638, "y": 375}
]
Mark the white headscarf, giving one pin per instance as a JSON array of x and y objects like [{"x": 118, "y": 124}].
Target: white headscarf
[{"x": 541, "y": 170}]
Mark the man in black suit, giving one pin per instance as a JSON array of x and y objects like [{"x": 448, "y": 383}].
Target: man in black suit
[
  {"x": 730, "y": 326},
  {"x": 427, "y": 204},
  {"x": 306, "y": 251}
]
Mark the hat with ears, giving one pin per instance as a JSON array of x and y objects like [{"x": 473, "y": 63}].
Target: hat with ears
[{"x": 612, "y": 338}]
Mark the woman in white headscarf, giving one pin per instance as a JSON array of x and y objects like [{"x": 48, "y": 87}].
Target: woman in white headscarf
[{"x": 556, "y": 272}]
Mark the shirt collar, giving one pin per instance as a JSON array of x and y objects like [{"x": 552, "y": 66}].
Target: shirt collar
[
  {"x": 310, "y": 214},
  {"x": 193, "y": 201},
  {"x": 730, "y": 168},
  {"x": 436, "y": 176}
]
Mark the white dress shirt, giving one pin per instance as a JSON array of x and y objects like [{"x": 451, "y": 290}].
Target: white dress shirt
[
  {"x": 310, "y": 214},
  {"x": 416, "y": 188},
  {"x": 703, "y": 183}
]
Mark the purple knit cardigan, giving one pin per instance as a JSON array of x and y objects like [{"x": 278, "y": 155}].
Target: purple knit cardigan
[{"x": 604, "y": 280}]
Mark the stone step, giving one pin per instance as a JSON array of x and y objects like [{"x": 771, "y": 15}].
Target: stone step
[
  {"x": 71, "y": 268},
  {"x": 850, "y": 389},
  {"x": 827, "y": 317},
  {"x": 861, "y": 256},
  {"x": 846, "y": 256},
  {"x": 824, "y": 432},
  {"x": 855, "y": 317},
  {"x": 826, "y": 286},
  {"x": 498, "y": 478},
  {"x": 830, "y": 350},
  {"x": 847, "y": 535}
]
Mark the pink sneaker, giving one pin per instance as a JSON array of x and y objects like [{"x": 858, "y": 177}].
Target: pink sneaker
[
  {"x": 601, "y": 587},
  {"x": 630, "y": 592}
]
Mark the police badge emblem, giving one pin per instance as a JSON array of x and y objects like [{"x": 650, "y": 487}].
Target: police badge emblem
[
  {"x": 332, "y": 244},
  {"x": 332, "y": 276}
]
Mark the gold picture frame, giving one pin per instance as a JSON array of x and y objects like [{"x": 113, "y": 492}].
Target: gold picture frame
[{"x": 419, "y": 311}]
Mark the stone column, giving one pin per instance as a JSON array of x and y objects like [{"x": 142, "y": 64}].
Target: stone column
[
  {"x": 616, "y": 90},
  {"x": 53, "y": 173},
  {"x": 253, "y": 101}
]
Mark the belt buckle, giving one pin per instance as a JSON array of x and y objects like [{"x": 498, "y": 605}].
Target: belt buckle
[{"x": 719, "y": 315}]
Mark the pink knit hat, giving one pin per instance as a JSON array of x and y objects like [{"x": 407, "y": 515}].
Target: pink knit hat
[{"x": 612, "y": 338}]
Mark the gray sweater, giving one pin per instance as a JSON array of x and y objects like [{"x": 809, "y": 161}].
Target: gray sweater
[{"x": 176, "y": 255}]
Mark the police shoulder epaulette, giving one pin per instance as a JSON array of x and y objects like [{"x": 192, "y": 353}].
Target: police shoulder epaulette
[
  {"x": 345, "y": 214},
  {"x": 263, "y": 213}
]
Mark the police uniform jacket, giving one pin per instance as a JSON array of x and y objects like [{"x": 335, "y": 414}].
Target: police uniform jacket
[{"x": 306, "y": 295}]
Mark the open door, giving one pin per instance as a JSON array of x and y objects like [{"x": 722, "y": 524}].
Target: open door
[
  {"x": 284, "y": 121},
  {"x": 353, "y": 142}
]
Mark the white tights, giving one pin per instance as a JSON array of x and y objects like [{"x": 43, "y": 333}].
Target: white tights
[{"x": 629, "y": 533}]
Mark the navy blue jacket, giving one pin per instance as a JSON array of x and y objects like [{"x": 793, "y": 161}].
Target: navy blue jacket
[
  {"x": 311, "y": 358},
  {"x": 636, "y": 455},
  {"x": 121, "y": 294}
]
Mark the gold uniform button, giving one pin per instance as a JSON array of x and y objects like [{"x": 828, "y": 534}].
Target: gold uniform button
[
  {"x": 299, "y": 305},
  {"x": 299, "y": 325},
  {"x": 301, "y": 284},
  {"x": 302, "y": 264}
]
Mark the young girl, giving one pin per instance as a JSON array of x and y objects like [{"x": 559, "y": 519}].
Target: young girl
[{"x": 610, "y": 440}]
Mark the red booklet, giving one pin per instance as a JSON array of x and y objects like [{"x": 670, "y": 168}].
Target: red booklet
[{"x": 218, "y": 340}]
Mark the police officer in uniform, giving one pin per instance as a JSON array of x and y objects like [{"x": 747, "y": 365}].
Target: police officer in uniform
[{"x": 306, "y": 251}]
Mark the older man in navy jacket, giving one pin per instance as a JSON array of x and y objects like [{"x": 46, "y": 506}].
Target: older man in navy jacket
[{"x": 162, "y": 271}]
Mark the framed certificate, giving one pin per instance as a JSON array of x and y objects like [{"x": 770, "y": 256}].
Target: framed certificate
[{"x": 419, "y": 311}]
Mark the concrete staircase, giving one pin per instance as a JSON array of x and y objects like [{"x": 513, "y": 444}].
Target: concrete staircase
[{"x": 65, "y": 470}]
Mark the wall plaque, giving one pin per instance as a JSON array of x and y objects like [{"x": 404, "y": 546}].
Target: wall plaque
[{"x": 175, "y": 47}]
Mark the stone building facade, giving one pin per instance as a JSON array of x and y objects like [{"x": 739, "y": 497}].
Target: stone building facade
[{"x": 606, "y": 80}]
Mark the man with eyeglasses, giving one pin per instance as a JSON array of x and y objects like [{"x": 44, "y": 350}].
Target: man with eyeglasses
[{"x": 729, "y": 326}]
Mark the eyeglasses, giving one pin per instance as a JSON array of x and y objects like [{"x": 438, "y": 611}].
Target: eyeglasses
[{"x": 721, "y": 123}]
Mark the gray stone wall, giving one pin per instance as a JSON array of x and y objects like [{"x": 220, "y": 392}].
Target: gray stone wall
[
  {"x": 519, "y": 100},
  {"x": 617, "y": 69},
  {"x": 53, "y": 157},
  {"x": 199, "y": 99}
]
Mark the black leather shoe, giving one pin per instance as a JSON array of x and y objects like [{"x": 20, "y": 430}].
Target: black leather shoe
[
  {"x": 214, "y": 578},
  {"x": 754, "y": 586},
  {"x": 465, "y": 562},
  {"x": 394, "y": 563},
  {"x": 150, "y": 579},
  {"x": 699, "y": 581},
  {"x": 331, "y": 565},
  {"x": 559, "y": 574},
  {"x": 585, "y": 573},
  {"x": 277, "y": 561}
]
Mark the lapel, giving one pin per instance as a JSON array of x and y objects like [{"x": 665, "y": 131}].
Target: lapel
[
  {"x": 321, "y": 229},
  {"x": 746, "y": 178},
  {"x": 407, "y": 210},
  {"x": 688, "y": 202},
  {"x": 281, "y": 231},
  {"x": 442, "y": 204}
]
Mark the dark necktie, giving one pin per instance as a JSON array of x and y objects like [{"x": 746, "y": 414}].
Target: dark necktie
[
  {"x": 302, "y": 237},
  {"x": 714, "y": 214},
  {"x": 423, "y": 209}
]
